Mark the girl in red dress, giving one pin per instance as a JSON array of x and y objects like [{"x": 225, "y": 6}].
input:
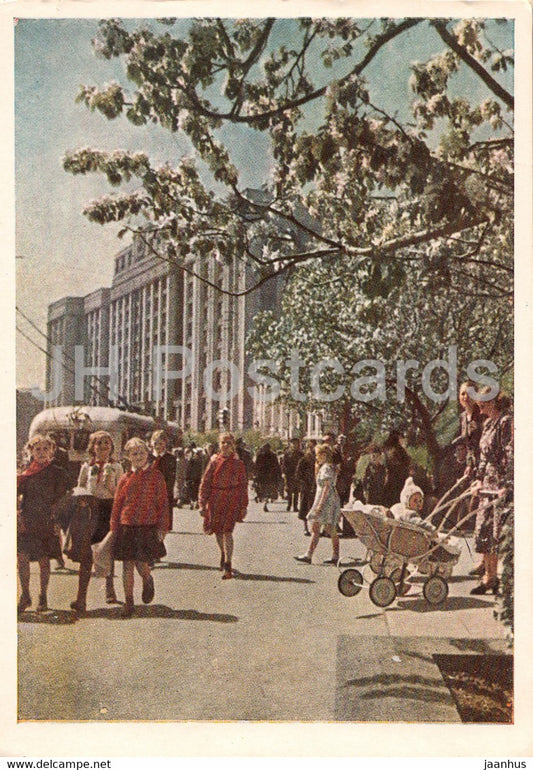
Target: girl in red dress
[{"x": 223, "y": 498}]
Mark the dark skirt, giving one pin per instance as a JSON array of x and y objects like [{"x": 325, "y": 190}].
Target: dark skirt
[
  {"x": 39, "y": 546},
  {"x": 267, "y": 489},
  {"x": 104, "y": 515},
  {"x": 136, "y": 543}
]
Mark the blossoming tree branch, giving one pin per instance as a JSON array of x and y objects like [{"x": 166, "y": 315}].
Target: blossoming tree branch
[{"x": 430, "y": 179}]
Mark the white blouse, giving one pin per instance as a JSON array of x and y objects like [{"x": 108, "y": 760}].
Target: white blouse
[{"x": 100, "y": 481}]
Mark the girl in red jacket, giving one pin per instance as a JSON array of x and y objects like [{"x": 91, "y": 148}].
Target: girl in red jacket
[{"x": 140, "y": 520}]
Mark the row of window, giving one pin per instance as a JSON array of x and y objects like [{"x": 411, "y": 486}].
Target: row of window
[{"x": 134, "y": 254}]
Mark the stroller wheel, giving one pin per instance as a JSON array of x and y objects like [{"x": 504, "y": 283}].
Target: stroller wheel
[
  {"x": 376, "y": 561},
  {"x": 396, "y": 574},
  {"x": 350, "y": 582},
  {"x": 435, "y": 590},
  {"x": 382, "y": 591}
]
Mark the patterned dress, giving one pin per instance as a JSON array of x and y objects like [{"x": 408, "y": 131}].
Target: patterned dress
[
  {"x": 223, "y": 494},
  {"x": 326, "y": 507},
  {"x": 495, "y": 453},
  {"x": 471, "y": 428}
]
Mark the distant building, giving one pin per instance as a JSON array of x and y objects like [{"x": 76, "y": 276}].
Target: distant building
[
  {"x": 65, "y": 330},
  {"x": 96, "y": 341},
  {"x": 134, "y": 327},
  {"x": 145, "y": 319},
  {"x": 215, "y": 326},
  {"x": 161, "y": 330}
]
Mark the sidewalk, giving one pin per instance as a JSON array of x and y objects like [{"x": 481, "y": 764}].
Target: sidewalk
[
  {"x": 277, "y": 643},
  {"x": 392, "y": 676},
  {"x": 395, "y": 679}
]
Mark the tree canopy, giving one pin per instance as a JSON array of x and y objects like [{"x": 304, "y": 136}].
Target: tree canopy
[
  {"x": 350, "y": 176},
  {"x": 375, "y": 349},
  {"x": 389, "y": 216}
]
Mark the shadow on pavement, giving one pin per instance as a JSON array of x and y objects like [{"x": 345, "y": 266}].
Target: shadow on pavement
[
  {"x": 183, "y": 565},
  {"x": 482, "y": 646},
  {"x": 426, "y": 658},
  {"x": 68, "y": 617},
  {"x": 159, "y": 611},
  {"x": 426, "y": 696},
  {"x": 419, "y": 604},
  {"x": 52, "y": 617},
  {"x": 397, "y": 686},
  {"x": 194, "y": 534},
  {"x": 272, "y": 578},
  {"x": 236, "y": 574},
  {"x": 452, "y": 603},
  {"x": 452, "y": 579}
]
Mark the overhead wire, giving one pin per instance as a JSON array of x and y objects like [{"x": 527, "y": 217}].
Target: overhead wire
[
  {"x": 63, "y": 365},
  {"x": 70, "y": 358}
]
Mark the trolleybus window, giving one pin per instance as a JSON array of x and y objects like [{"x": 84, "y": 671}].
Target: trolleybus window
[
  {"x": 62, "y": 438},
  {"x": 80, "y": 440}
]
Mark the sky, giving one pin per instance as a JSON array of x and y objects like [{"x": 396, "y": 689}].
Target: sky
[{"x": 59, "y": 252}]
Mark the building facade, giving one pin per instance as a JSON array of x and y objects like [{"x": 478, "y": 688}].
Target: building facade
[
  {"x": 65, "y": 331},
  {"x": 96, "y": 345},
  {"x": 171, "y": 342},
  {"x": 145, "y": 321}
]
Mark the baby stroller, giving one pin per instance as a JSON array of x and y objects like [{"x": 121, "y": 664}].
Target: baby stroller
[{"x": 393, "y": 544}]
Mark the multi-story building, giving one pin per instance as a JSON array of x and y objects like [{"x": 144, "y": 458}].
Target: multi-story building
[
  {"x": 65, "y": 331},
  {"x": 96, "y": 345},
  {"x": 217, "y": 316},
  {"x": 145, "y": 320},
  {"x": 174, "y": 340}
]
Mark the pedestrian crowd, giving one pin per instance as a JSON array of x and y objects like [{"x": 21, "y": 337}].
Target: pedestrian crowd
[{"x": 122, "y": 511}]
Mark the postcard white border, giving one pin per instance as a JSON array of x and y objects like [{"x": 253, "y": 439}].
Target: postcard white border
[{"x": 280, "y": 739}]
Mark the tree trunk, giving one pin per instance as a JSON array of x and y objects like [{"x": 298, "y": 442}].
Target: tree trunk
[{"x": 432, "y": 444}]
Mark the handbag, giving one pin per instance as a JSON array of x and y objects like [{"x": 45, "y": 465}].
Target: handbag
[
  {"x": 103, "y": 553},
  {"x": 82, "y": 525}
]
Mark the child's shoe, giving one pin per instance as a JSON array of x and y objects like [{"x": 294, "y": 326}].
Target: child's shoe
[
  {"x": 24, "y": 602},
  {"x": 148, "y": 590},
  {"x": 128, "y": 609},
  {"x": 43, "y": 603}
]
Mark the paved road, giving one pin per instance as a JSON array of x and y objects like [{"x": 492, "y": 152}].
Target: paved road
[{"x": 279, "y": 642}]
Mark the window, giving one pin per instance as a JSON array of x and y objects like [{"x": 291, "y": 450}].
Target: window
[{"x": 80, "y": 440}]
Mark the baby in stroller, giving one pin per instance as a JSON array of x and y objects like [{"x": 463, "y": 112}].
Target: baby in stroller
[
  {"x": 409, "y": 509},
  {"x": 411, "y": 505}
]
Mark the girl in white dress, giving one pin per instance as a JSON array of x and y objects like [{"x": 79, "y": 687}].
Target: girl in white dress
[
  {"x": 99, "y": 477},
  {"x": 326, "y": 508}
]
